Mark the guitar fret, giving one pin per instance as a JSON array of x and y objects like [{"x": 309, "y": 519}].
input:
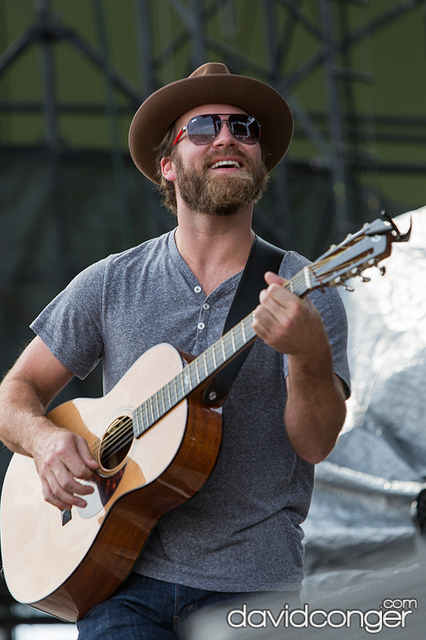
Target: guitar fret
[
  {"x": 206, "y": 370},
  {"x": 228, "y": 346},
  {"x": 192, "y": 375},
  {"x": 299, "y": 283},
  {"x": 151, "y": 410},
  {"x": 182, "y": 393},
  {"x": 187, "y": 380},
  {"x": 239, "y": 337},
  {"x": 174, "y": 390},
  {"x": 222, "y": 342},
  {"x": 141, "y": 421},
  {"x": 214, "y": 358},
  {"x": 144, "y": 416},
  {"x": 136, "y": 423},
  {"x": 169, "y": 396},
  {"x": 307, "y": 277},
  {"x": 157, "y": 407},
  {"x": 197, "y": 372},
  {"x": 233, "y": 341}
]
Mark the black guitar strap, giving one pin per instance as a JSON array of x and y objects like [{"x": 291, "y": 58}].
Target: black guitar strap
[{"x": 263, "y": 257}]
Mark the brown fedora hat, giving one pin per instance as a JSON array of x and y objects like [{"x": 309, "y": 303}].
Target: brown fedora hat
[{"x": 212, "y": 83}]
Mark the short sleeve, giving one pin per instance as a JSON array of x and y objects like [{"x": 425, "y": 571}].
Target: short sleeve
[{"x": 70, "y": 325}]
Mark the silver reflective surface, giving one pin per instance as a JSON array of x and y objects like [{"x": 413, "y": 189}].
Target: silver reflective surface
[{"x": 361, "y": 515}]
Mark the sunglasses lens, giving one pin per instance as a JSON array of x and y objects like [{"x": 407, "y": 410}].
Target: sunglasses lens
[
  {"x": 204, "y": 129},
  {"x": 244, "y": 128}
]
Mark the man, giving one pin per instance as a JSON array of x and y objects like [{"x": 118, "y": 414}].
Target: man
[{"x": 210, "y": 141}]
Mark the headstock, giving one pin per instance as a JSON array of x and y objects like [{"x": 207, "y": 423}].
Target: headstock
[{"x": 358, "y": 252}]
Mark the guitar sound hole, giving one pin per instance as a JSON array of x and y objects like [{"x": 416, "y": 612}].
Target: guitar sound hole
[{"x": 116, "y": 443}]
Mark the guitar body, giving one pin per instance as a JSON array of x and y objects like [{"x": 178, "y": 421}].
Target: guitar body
[{"x": 65, "y": 563}]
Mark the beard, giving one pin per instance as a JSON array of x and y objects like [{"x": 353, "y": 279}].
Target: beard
[{"x": 222, "y": 194}]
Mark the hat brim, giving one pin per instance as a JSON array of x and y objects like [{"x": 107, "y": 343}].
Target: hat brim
[{"x": 163, "y": 107}]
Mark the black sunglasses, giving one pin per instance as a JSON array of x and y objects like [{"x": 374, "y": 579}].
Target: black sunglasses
[{"x": 205, "y": 128}]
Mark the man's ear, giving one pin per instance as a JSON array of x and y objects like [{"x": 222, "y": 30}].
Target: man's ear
[{"x": 167, "y": 169}]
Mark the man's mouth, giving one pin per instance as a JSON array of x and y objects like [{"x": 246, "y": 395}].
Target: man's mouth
[{"x": 226, "y": 164}]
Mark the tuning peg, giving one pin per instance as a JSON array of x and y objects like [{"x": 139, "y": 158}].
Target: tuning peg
[
  {"x": 365, "y": 279},
  {"x": 382, "y": 270}
]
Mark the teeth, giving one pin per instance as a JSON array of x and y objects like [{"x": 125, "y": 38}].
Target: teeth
[{"x": 226, "y": 163}]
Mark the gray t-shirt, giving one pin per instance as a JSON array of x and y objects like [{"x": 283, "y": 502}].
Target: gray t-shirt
[{"x": 241, "y": 532}]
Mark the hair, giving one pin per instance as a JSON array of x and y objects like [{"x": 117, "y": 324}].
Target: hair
[{"x": 166, "y": 188}]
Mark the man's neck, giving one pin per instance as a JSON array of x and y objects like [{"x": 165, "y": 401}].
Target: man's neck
[{"x": 214, "y": 247}]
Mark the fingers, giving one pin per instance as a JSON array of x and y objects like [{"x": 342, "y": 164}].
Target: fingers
[
  {"x": 284, "y": 321},
  {"x": 86, "y": 456},
  {"x": 62, "y": 492},
  {"x": 275, "y": 312},
  {"x": 63, "y": 460},
  {"x": 271, "y": 278}
]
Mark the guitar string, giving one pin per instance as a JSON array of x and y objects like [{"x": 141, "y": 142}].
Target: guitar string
[
  {"x": 124, "y": 434},
  {"x": 116, "y": 437},
  {"x": 121, "y": 436}
]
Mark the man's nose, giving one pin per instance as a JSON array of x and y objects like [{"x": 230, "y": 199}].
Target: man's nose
[{"x": 225, "y": 137}]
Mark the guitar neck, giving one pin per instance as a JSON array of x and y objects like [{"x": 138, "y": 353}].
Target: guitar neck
[
  {"x": 193, "y": 375},
  {"x": 206, "y": 365}
]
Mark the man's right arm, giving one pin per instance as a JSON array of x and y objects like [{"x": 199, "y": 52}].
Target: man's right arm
[{"x": 60, "y": 456}]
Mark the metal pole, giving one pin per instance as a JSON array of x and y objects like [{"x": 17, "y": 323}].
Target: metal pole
[
  {"x": 281, "y": 216},
  {"x": 198, "y": 39},
  {"x": 337, "y": 154},
  {"x": 48, "y": 75},
  {"x": 144, "y": 30}
]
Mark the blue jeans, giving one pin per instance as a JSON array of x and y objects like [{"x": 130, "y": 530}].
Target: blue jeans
[{"x": 148, "y": 609}]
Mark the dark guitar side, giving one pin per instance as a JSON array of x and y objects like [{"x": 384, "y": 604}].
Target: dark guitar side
[{"x": 132, "y": 518}]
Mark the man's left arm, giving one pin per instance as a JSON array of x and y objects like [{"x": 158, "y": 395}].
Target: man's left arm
[{"x": 315, "y": 409}]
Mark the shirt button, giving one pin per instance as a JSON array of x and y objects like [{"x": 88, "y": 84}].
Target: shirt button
[
  {"x": 206, "y": 306},
  {"x": 197, "y": 289},
  {"x": 201, "y": 325}
]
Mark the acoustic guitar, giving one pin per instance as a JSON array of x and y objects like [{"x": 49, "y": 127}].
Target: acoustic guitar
[{"x": 156, "y": 439}]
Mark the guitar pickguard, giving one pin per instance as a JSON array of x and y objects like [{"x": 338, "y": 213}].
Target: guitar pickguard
[{"x": 104, "y": 488}]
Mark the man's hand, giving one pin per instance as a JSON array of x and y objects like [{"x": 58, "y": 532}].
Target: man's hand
[
  {"x": 288, "y": 323},
  {"x": 62, "y": 458}
]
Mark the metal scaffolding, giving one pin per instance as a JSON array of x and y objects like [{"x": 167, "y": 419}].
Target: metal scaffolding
[{"x": 179, "y": 36}]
